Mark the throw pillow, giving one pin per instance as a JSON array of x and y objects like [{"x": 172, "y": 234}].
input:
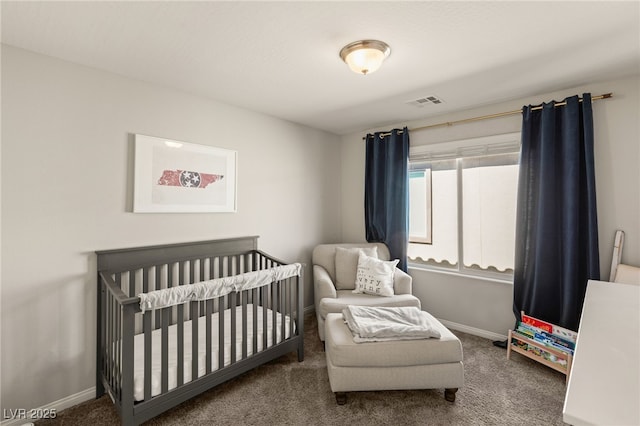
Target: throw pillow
[
  {"x": 375, "y": 276},
  {"x": 347, "y": 264}
]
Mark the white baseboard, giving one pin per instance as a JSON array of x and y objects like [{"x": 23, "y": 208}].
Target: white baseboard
[
  {"x": 472, "y": 330},
  {"x": 56, "y": 406}
]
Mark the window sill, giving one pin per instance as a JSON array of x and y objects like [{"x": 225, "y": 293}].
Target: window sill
[{"x": 476, "y": 276}]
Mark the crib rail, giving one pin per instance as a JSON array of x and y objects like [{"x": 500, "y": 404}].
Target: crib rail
[
  {"x": 111, "y": 341},
  {"x": 121, "y": 323}
]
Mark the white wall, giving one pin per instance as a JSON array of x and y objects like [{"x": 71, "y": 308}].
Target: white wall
[
  {"x": 487, "y": 305},
  {"x": 66, "y": 192}
]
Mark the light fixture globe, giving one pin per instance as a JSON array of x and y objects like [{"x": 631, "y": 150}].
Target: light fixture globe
[{"x": 365, "y": 56}]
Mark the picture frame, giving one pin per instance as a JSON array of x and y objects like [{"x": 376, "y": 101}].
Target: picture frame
[{"x": 179, "y": 177}]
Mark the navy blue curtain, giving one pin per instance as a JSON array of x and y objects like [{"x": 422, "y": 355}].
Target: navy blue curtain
[
  {"x": 386, "y": 192},
  {"x": 556, "y": 222}
]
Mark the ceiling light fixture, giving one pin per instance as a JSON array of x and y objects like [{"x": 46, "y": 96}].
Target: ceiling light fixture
[{"x": 365, "y": 56}]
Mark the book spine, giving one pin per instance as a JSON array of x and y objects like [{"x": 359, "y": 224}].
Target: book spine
[
  {"x": 531, "y": 331},
  {"x": 550, "y": 342},
  {"x": 550, "y": 328}
]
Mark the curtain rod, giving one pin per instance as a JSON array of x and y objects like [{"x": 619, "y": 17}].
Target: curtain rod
[{"x": 496, "y": 115}]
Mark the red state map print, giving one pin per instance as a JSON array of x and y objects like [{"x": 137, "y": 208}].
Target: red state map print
[{"x": 187, "y": 179}]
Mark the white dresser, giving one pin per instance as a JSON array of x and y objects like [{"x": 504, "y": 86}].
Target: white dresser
[{"x": 604, "y": 386}]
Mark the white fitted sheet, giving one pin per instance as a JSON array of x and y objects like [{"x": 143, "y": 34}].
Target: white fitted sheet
[{"x": 156, "y": 363}]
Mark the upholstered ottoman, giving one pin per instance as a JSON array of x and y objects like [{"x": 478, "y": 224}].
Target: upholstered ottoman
[{"x": 391, "y": 365}]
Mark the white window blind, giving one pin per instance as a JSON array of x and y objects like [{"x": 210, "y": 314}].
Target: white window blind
[{"x": 468, "y": 211}]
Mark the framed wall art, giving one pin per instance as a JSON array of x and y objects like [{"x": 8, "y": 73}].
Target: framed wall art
[{"x": 180, "y": 177}]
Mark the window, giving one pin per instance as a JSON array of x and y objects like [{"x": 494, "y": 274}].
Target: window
[
  {"x": 462, "y": 205},
  {"x": 420, "y": 213}
]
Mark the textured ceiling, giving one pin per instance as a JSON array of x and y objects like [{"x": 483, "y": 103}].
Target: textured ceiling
[{"x": 281, "y": 58}]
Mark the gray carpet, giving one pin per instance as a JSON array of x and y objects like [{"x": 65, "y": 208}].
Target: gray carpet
[{"x": 497, "y": 391}]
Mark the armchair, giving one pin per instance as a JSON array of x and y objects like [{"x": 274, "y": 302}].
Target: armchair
[{"x": 334, "y": 276}]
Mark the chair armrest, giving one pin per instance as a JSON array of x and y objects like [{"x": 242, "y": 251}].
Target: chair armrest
[
  {"x": 322, "y": 285},
  {"x": 402, "y": 282}
]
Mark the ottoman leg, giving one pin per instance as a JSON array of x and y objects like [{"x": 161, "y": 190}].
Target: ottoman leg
[
  {"x": 450, "y": 394},
  {"x": 341, "y": 398}
]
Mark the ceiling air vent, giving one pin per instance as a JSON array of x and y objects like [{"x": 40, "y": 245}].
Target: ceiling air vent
[{"x": 424, "y": 101}]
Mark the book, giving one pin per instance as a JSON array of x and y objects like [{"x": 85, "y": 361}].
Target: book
[
  {"x": 539, "y": 352},
  {"x": 543, "y": 336},
  {"x": 550, "y": 328},
  {"x": 550, "y": 342}
]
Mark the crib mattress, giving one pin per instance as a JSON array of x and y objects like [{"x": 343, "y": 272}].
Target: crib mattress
[{"x": 156, "y": 358}]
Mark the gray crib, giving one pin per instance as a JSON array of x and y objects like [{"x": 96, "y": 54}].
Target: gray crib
[{"x": 151, "y": 361}]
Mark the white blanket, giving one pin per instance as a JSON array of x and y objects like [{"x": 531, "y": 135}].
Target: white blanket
[
  {"x": 217, "y": 287},
  {"x": 375, "y": 324}
]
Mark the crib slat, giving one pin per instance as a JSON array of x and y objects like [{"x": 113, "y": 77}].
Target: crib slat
[
  {"x": 221, "y": 321},
  {"x": 192, "y": 272},
  {"x": 114, "y": 348},
  {"x": 110, "y": 342},
  {"x": 299, "y": 315},
  {"x": 208, "y": 313},
  {"x": 180, "y": 327},
  {"x": 100, "y": 367},
  {"x": 264, "y": 316},
  {"x": 244, "y": 324},
  {"x": 181, "y": 273},
  {"x": 147, "y": 354},
  {"x": 202, "y": 270},
  {"x": 145, "y": 280},
  {"x": 214, "y": 263},
  {"x": 232, "y": 334},
  {"x": 167, "y": 313},
  {"x": 274, "y": 309},
  {"x": 194, "y": 340},
  {"x": 292, "y": 302},
  {"x": 146, "y": 324},
  {"x": 288, "y": 307},
  {"x": 255, "y": 320},
  {"x": 126, "y": 383},
  {"x": 289, "y": 304},
  {"x": 164, "y": 360},
  {"x": 118, "y": 341},
  {"x": 191, "y": 280},
  {"x": 107, "y": 337},
  {"x": 283, "y": 308},
  {"x": 298, "y": 303},
  {"x": 158, "y": 280},
  {"x": 170, "y": 273},
  {"x": 132, "y": 283},
  {"x": 103, "y": 328}
]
